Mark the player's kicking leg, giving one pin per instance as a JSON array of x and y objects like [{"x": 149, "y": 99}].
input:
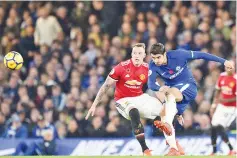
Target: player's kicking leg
[
  {"x": 166, "y": 123},
  {"x": 150, "y": 108}
]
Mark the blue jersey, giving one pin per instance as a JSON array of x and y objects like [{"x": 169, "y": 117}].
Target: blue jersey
[
  {"x": 176, "y": 71},
  {"x": 177, "y": 74}
]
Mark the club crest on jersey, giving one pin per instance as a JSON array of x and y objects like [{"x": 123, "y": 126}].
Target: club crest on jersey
[
  {"x": 149, "y": 73},
  {"x": 231, "y": 84},
  {"x": 178, "y": 68},
  {"x": 142, "y": 76}
]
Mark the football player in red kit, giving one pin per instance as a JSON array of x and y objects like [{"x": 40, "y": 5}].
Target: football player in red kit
[
  {"x": 223, "y": 110},
  {"x": 131, "y": 102}
]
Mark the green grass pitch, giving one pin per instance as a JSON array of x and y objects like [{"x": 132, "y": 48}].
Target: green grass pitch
[{"x": 116, "y": 156}]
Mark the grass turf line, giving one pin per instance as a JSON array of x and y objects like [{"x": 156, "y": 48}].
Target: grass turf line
[{"x": 117, "y": 156}]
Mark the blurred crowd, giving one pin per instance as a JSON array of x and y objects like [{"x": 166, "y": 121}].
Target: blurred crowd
[{"x": 69, "y": 48}]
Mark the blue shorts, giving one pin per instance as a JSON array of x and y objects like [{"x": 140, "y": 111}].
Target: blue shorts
[{"x": 189, "y": 91}]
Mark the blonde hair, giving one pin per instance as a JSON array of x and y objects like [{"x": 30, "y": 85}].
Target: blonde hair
[{"x": 139, "y": 45}]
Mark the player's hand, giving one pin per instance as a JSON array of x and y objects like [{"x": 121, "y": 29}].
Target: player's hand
[
  {"x": 229, "y": 65},
  {"x": 180, "y": 120},
  {"x": 164, "y": 89},
  {"x": 91, "y": 111},
  {"x": 161, "y": 97}
]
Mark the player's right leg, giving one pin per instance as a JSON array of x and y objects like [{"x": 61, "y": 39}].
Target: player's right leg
[
  {"x": 173, "y": 95},
  {"x": 167, "y": 127},
  {"x": 213, "y": 139},
  {"x": 128, "y": 109}
]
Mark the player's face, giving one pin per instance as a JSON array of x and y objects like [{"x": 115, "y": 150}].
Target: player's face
[
  {"x": 138, "y": 55},
  {"x": 230, "y": 71},
  {"x": 158, "y": 59}
]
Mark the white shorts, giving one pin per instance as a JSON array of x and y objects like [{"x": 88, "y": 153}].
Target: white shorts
[
  {"x": 148, "y": 107},
  {"x": 224, "y": 115}
]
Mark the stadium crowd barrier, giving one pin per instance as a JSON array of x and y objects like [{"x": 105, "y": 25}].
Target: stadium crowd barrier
[{"x": 193, "y": 145}]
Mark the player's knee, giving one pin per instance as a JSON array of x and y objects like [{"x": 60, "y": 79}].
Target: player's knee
[
  {"x": 176, "y": 92},
  {"x": 134, "y": 113}
]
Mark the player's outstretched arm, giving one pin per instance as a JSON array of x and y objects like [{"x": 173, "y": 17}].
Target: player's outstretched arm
[
  {"x": 107, "y": 84},
  {"x": 206, "y": 56}
]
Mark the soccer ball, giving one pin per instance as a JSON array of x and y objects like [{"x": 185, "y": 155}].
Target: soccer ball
[{"x": 13, "y": 60}]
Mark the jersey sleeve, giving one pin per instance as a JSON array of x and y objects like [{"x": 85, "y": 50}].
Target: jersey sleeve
[
  {"x": 192, "y": 55},
  {"x": 152, "y": 75},
  {"x": 234, "y": 88},
  {"x": 116, "y": 72}
]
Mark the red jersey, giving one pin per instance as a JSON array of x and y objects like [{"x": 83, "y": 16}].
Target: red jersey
[
  {"x": 130, "y": 79},
  {"x": 227, "y": 85}
]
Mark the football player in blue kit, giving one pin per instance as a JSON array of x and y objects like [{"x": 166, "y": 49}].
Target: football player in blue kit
[{"x": 180, "y": 86}]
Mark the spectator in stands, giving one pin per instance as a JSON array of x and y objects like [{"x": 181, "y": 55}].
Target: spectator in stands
[
  {"x": 40, "y": 96},
  {"x": 47, "y": 28},
  {"x": 96, "y": 129},
  {"x": 46, "y": 146},
  {"x": 61, "y": 130},
  {"x": 74, "y": 131},
  {"x": 61, "y": 14},
  {"x": 5, "y": 109},
  {"x": 58, "y": 97},
  {"x": 41, "y": 126},
  {"x": 2, "y": 123},
  {"x": 27, "y": 42},
  {"x": 16, "y": 129}
]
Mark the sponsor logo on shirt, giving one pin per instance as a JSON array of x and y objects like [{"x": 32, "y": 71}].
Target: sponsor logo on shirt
[
  {"x": 133, "y": 84},
  {"x": 226, "y": 90},
  {"x": 176, "y": 74}
]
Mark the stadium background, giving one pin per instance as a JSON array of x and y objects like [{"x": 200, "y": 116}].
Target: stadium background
[{"x": 69, "y": 48}]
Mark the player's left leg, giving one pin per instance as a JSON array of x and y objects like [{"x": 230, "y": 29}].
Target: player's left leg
[
  {"x": 222, "y": 119},
  {"x": 137, "y": 127},
  {"x": 182, "y": 94}
]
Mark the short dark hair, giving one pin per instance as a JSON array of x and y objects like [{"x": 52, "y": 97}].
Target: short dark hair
[{"x": 157, "y": 48}]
